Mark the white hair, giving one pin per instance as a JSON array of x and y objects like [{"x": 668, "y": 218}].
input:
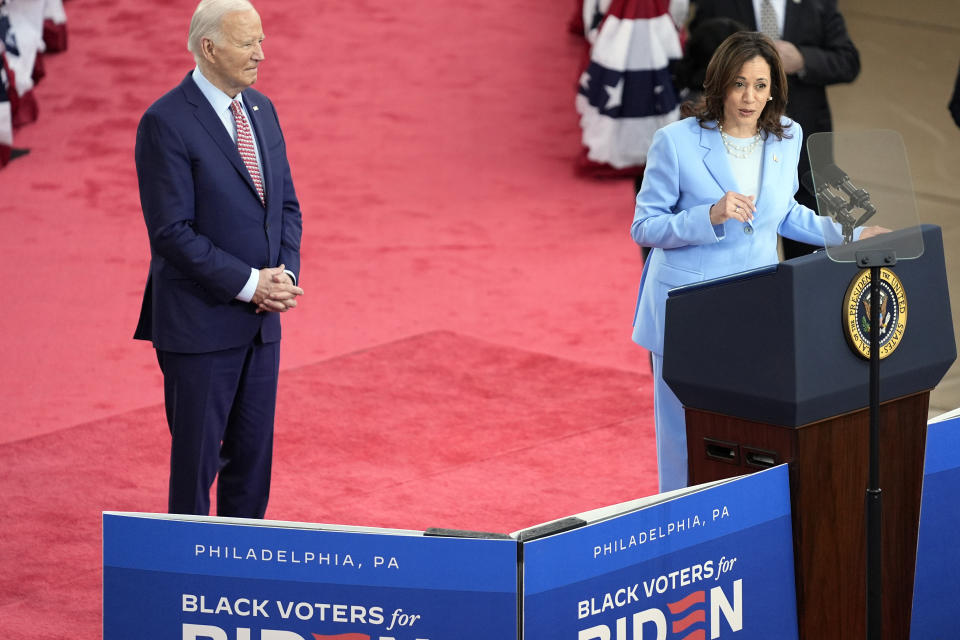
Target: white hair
[{"x": 207, "y": 21}]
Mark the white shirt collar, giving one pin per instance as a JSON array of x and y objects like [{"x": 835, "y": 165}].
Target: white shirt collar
[{"x": 217, "y": 98}]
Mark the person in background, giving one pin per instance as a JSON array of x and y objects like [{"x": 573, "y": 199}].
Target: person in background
[
  {"x": 812, "y": 40},
  {"x": 954, "y": 105},
  {"x": 690, "y": 71},
  {"x": 224, "y": 225},
  {"x": 718, "y": 189}
]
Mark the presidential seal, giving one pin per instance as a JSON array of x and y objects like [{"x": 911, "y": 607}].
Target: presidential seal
[{"x": 893, "y": 313}]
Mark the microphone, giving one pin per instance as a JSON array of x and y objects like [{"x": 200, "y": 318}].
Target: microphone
[{"x": 840, "y": 198}]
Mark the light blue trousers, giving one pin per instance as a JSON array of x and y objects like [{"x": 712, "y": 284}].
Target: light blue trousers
[{"x": 671, "y": 432}]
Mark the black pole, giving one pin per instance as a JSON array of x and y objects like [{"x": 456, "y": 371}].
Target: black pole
[{"x": 874, "y": 497}]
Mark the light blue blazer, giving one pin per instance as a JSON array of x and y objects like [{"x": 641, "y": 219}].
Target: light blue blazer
[{"x": 687, "y": 172}]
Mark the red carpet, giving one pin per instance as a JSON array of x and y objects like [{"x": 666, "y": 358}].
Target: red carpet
[
  {"x": 433, "y": 148},
  {"x": 433, "y": 430}
]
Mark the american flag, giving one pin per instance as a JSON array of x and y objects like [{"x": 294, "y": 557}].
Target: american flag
[
  {"x": 8, "y": 41},
  {"x": 6, "y": 116},
  {"x": 54, "y": 26},
  {"x": 22, "y": 35},
  {"x": 626, "y": 92}
]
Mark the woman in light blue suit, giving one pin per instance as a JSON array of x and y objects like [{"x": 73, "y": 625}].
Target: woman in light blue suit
[{"x": 718, "y": 187}]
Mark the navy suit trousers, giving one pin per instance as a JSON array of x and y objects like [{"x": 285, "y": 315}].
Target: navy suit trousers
[{"x": 220, "y": 410}]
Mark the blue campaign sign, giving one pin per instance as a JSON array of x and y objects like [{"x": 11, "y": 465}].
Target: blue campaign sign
[
  {"x": 714, "y": 563},
  {"x": 211, "y": 579},
  {"x": 937, "y": 580}
]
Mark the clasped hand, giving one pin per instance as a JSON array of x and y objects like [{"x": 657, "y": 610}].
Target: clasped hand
[
  {"x": 790, "y": 56},
  {"x": 275, "y": 291}
]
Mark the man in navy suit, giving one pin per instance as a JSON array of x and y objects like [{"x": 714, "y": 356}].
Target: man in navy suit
[{"x": 224, "y": 226}]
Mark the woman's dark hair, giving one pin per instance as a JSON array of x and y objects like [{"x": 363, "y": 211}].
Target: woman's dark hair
[{"x": 722, "y": 71}]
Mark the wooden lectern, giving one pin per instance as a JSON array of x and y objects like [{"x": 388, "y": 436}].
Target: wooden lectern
[{"x": 760, "y": 362}]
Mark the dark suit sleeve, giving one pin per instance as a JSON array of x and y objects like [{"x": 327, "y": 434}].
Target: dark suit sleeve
[
  {"x": 829, "y": 54},
  {"x": 167, "y": 197},
  {"x": 704, "y": 10},
  {"x": 292, "y": 218},
  {"x": 955, "y": 101},
  {"x": 815, "y": 27}
]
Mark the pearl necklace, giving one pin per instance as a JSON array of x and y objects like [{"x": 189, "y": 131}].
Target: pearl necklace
[{"x": 737, "y": 151}]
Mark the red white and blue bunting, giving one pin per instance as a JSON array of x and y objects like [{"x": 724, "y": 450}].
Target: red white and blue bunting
[{"x": 626, "y": 92}]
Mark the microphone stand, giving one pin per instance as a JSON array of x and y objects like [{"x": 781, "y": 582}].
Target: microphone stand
[
  {"x": 841, "y": 210},
  {"x": 875, "y": 260},
  {"x": 874, "y": 507},
  {"x": 874, "y": 493}
]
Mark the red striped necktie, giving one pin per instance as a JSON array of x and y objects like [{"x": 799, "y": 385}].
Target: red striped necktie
[{"x": 245, "y": 146}]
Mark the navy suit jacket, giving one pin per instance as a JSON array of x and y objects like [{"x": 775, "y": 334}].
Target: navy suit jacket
[{"x": 206, "y": 224}]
